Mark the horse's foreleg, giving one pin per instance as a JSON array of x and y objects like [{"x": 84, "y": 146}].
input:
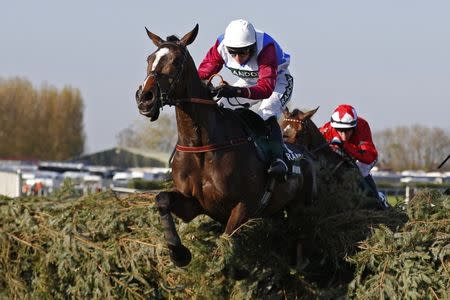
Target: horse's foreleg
[
  {"x": 186, "y": 209},
  {"x": 238, "y": 216}
]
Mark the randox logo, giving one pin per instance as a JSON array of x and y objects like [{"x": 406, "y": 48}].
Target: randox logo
[
  {"x": 244, "y": 73},
  {"x": 292, "y": 156}
]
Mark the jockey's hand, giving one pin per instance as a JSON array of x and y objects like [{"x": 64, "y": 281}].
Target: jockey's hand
[
  {"x": 229, "y": 91},
  {"x": 211, "y": 89},
  {"x": 336, "y": 142}
]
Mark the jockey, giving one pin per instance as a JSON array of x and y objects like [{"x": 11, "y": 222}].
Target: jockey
[
  {"x": 261, "y": 69},
  {"x": 351, "y": 134}
]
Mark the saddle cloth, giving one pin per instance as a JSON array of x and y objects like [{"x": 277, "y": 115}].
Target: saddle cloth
[{"x": 293, "y": 156}]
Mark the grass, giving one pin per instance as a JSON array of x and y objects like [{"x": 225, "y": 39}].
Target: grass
[{"x": 394, "y": 200}]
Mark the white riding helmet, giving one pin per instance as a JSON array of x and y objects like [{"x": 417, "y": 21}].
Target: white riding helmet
[
  {"x": 239, "y": 33},
  {"x": 344, "y": 116}
]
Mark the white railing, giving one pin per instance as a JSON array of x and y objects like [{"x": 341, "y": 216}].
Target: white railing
[{"x": 10, "y": 184}]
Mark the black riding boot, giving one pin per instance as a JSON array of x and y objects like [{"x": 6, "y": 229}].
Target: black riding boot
[
  {"x": 277, "y": 168},
  {"x": 383, "y": 201},
  {"x": 371, "y": 183}
]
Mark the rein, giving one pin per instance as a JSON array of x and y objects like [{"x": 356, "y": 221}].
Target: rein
[
  {"x": 192, "y": 100},
  {"x": 320, "y": 147}
]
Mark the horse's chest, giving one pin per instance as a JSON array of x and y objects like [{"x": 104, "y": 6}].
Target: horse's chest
[
  {"x": 200, "y": 187},
  {"x": 206, "y": 183}
]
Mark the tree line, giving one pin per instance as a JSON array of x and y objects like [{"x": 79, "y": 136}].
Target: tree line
[
  {"x": 158, "y": 136},
  {"x": 41, "y": 124},
  {"x": 47, "y": 124},
  {"x": 415, "y": 147}
]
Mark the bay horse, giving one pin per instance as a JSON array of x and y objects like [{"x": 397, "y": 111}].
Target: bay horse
[
  {"x": 215, "y": 168},
  {"x": 299, "y": 129}
]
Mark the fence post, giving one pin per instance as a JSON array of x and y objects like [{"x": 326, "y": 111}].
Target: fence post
[
  {"x": 407, "y": 194},
  {"x": 19, "y": 173}
]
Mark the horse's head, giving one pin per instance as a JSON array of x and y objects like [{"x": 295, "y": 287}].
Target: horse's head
[
  {"x": 166, "y": 68},
  {"x": 296, "y": 126}
]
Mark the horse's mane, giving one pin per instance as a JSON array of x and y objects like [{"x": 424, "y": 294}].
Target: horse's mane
[
  {"x": 172, "y": 38},
  {"x": 314, "y": 130}
]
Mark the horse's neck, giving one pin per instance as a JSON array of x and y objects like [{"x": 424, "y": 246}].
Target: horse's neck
[
  {"x": 320, "y": 146},
  {"x": 317, "y": 139},
  {"x": 324, "y": 148},
  {"x": 193, "y": 119},
  {"x": 192, "y": 122}
]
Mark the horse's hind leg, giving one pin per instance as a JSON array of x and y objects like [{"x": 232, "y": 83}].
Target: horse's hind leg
[{"x": 186, "y": 209}]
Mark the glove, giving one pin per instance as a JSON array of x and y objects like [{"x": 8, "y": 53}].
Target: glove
[
  {"x": 338, "y": 146},
  {"x": 211, "y": 90},
  {"x": 229, "y": 91},
  {"x": 336, "y": 142}
]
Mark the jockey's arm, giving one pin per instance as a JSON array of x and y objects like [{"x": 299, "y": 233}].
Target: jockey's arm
[
  {"x": 363, "y": 149},
  {"x": 211, "y": 64},
  {"x": 267, "y": 70},
  {"x": 364, "y": 152}
]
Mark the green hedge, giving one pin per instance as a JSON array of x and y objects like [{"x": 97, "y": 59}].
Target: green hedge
[{"x": 142, "y": 184}]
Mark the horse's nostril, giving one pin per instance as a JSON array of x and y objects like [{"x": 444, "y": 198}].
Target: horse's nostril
[{"x": 147, "y": 96}]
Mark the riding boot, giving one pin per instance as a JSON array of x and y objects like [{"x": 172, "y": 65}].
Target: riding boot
[
  {"x": 381, "y": 197},
  {"x": 278, "y": 167}
]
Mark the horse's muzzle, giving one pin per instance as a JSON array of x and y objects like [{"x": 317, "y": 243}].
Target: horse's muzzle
[{"x": 147, "y": 103}]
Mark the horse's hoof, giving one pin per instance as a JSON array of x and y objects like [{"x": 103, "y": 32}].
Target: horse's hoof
[{"x": 180, "y": 255}]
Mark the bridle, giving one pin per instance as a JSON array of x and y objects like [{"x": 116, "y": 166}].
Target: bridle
[{"x": 163, "y": 96}]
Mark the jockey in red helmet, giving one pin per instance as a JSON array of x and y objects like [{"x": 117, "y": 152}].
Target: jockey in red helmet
[{"x": 352, "y": 134}]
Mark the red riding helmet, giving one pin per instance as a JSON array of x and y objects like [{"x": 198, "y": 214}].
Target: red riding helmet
[{"x": 344, "y": 116}]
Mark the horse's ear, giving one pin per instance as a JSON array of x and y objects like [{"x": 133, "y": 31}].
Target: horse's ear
[
  {"x": 189, "y": 37},
  {"x": 310, "y": 114},
  {"x": 155, "y": 39},
  {"x": 286, "y": 112}
]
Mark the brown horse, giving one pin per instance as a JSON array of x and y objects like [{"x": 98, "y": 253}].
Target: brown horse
[
  {"x": 299, "y": 129},
  {"x": 215, "y": 169}
]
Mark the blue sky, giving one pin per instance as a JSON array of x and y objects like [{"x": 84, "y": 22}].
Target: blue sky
[{"x": 390, "y": 59}]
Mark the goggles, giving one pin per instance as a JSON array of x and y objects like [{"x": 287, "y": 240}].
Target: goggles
[
  {"x": 239, "y": 51},
  {"x": 344, "y": 129}
]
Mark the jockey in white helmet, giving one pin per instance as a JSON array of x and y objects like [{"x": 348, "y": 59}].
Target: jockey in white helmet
[{"x": 261, "y": 69}]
